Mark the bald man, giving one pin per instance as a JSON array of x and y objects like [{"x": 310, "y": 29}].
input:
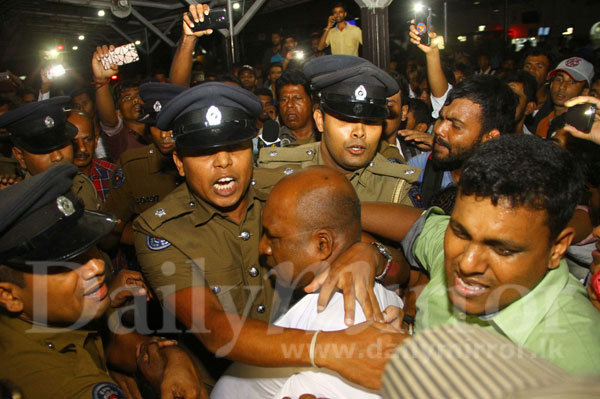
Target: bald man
[{"x": 299, "y": 241}]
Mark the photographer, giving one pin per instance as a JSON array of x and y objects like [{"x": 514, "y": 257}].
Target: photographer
[{"x": 343, "y": 37}]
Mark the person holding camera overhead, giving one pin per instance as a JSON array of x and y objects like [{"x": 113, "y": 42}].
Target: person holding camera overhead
[{"x": 342, "y": 37}]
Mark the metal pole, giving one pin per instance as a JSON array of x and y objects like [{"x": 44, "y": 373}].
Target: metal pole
[
  {"x": 446, "y": 21},
  {"x": 231, "y": 41},
  {"x": 505, "y": 22},
  {"x": 153, "y": 28}
]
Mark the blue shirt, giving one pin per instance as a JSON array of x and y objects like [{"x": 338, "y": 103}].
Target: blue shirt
[{"x": 420, "y": 161}]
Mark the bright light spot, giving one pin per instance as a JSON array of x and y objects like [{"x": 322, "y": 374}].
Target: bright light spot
[
  {"x": 60, "y": 47},
  {"x": 438, "y": 41},
  {"x": 236, "y": 6},
  {"x": 570, "y": 30},
  {"x": 203, "y": 51},
  {"x": 101, "y": 13},
  {"x": 23, "y": 77},
  {"x": 476, "y": 3},
  {"x": 418, "y": 7},
  {"x": 114, "y": 77},
  {"x": 462, "y": 38},
  {"x": 56, "y": 71},
  {"x": 481, "y": 28},
  {"x": 53, "y": 53},
  {"x": 81, "y": 37},
  {"x": 138, "y": 42},
  {"x": 75, "y": 48}
]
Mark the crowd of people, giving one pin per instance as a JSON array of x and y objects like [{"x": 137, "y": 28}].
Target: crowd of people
[{"x": 326, "y": 229}]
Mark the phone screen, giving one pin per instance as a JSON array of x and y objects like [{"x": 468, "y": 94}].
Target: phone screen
[{"x": 581, "y": 116}]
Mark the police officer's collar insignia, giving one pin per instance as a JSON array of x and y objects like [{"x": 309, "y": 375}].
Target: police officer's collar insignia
[
  {"x": 49, "y": 122},
  {"x": 157, "y": 106},
  {"x": 65, "y": 206},
  {"x": 160, "y": 212},
  {"x": 157, "y": 244},
  {"x": 118, "y": 178},
  {"x": 360, "y": 93},
  {"x": 213, "y": 116},
  {"x": 107, "y": 390}
]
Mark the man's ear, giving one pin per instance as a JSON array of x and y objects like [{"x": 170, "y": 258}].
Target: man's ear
[
  {"x": 404, "y": 112},
  {"x": 492, "y": 134},
  {"x": 421, "y": 127},
  {"x": 560, "y": 246},
  {"x": 20, "y": 157},
  {"x": 10, "y": 298},
  {"x": 530, "y": 107},
  {"x": 585, "y": 92},
  {"x": 324, "y": 242},
  {"x": 319, "y": 119},
  {"x": 178, "y": 163}
]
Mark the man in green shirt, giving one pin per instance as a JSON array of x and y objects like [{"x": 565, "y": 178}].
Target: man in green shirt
[{"x": 496, "y": 260}]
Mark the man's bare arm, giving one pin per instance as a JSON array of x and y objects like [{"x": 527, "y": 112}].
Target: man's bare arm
[
  {"x": 390, "y": 221},
  {"x": 437, "y": 80},
  {"x": 104, "y": 101}
]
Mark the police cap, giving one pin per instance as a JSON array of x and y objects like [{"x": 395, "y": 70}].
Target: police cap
[
  {"x": 155, "y": 96},
  {"x": 40, "y": 127},
  {"x": 42, "y": 220},
  {"x": 351, "y": 86},
  {"x": 211, "y": 115}
]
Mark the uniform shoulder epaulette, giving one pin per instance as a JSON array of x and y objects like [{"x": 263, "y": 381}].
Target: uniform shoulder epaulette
[
  {"x": 172, "y": 206},
  {"x": 272, "y": 156},
  {"x": 381, "y": 166},
  {"x": 133, "y": 154},
  {"x": 264, "y": 178}
]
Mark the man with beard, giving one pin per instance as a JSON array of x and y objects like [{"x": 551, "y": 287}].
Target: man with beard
[
  {"x": 476, "y": 110},
  {"x": 121, "y": 124},
  {"x": 525, "y": 87},
  {"x": 143, "y": 176},
  {"x": 41, "y": 138},
  {"x": 84, "y": 145}
]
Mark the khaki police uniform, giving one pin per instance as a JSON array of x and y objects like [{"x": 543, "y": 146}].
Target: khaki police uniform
[
  {"x": 141, "y": 178},
  {"x": 184, "y": 242},
  {"x": 85, "y": 190},
  {"x": 390, "y": 151},
  {"x": 54, "y": 362},
  {"x": 9, "y": 166},
  {"x": 380, "y": 180}
]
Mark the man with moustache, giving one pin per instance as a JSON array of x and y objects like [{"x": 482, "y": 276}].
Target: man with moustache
[
  {"x": 198, "y": 248},
  {"x": 144, "y": 176},
  {"x": 84, "y": 145},
  {"x": 41, "y": 138},
  {"x": 295, "y": 109},
  {"x": 476, "y": 110}
]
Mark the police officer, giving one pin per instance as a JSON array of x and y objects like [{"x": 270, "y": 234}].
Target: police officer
[
  {"x": 198, "y": 248},
  {"x": 144, "y": 176},
  {"x": 353, "y": 105},
  {"x": 42, "y": 137},
  {"x": 53, "y": 290}
]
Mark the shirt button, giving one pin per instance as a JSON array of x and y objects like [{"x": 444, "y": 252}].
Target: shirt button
[
  {"x": 244, "y": 235},
  {"x": 261, "y": 309},
  {"x": 371, "y": 163},
  {"x": 309, "y": 152},
  {"x": 216, "y": 289},
  {"x": 151, "y": 151},
  {"x": 192, "y": 203},
  {"x": 51, "y": 345},
  {"x": 253, "y": 182},
  {"x": 288, "y": 171},
  {"x": 253, "y": 271}
]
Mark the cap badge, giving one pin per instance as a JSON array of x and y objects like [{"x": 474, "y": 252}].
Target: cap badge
[
  {"x": 213, "y": 116},
  {"x": 160, "y": 212},
  {"x": 157, "y": 106},
  {"x": 65, "y": 206},
  {"x": 573, "y": 62},
  {"x": 360, "y": 93},
  {"x": 49, "y": 122}
]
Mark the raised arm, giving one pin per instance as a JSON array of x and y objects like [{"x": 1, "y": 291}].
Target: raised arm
[
  {"x": 181, "y": 67},
  {"x": 323, "y": 40},
  {"x": 437, "y": 80},
  {"x": 104, "y": 101}
]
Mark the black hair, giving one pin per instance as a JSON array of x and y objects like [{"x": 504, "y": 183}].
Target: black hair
[
  {"x": 497, "y": 101},
  {"x": 538, "y": 51},
  {"x": 9, "y": 275},
  {"x": 465, "y": 69},
  {"x": 528, "y": 171},
  {"x": 526, "y": 79},
  {"x": 338, "y": 4},
  {"x": 83, "y": 90},
  {"x": 263, "y": 92},
  {"x": 275, "y": 64},
  {"x": 420, "y": 110},
  {"x": 123, "y": 86},
  {"x": 228, "y": 77},
  {"x": 403, "y": 85},
  {"x": 293, "y": 77},
  {"x": 27, "y": 90}
]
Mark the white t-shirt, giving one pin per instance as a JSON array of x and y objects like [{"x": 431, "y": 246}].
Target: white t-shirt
[{"x": 267, "y": 382}]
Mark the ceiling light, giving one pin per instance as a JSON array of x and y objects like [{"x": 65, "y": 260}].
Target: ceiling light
[
  {"x": 138, "y": 42},
  {"x": 101, "y": 13},
  {"x": 481, "y": 28},
  {"x": 81, "y": 37},
  {"x": 236, "y": 6},
  {"x": 75, "y": 48}
]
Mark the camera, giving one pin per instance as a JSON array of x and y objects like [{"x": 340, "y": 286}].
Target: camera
[
  {"x": 216, "y": 19},
  {"x": 581, "y": 116}
]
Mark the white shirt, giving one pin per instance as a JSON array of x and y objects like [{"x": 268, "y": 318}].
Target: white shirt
[{"x": 256, "y": 382}]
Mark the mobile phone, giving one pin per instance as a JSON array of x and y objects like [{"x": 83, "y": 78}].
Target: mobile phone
[
  {"x": 216, "y": 19},
  {"x": 298, "y": 54},
  {"x": 581, "y": 116},
  {"x": 423, "y": 23},
  {"x": 125, "y": 54}
]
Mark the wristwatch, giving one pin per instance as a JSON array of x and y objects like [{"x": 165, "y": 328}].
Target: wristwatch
[{"x": 386, "y": 254}]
